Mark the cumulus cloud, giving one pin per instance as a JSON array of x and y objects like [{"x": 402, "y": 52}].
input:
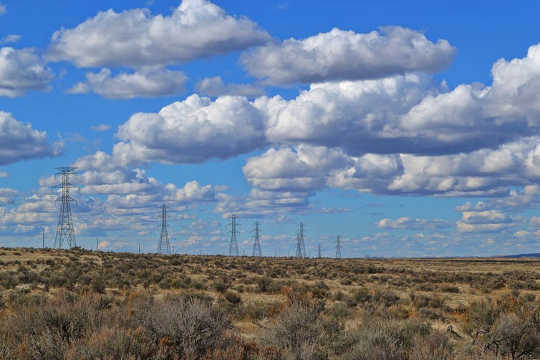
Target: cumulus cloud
[
  {"x": 101, "y": 127},
  {"x": 3, "y": 9},
  {"x": 191, "y": 191},
  {"x": 12, "y": 38},
  {"x": 7, "y": 196},
  {"x": 403, "y": 114},
  {"x": 484, "y": 221},
  {"x": 193, "y": 130},
  {"x": 19, "y": 141},
  {"x": 285, "y": 177},
  {"x": 406, "y": 116},
  {"x": 303, "y": 168},
  {"x": 135, "y": 38},
  {"x": 113, "y": 197},
  {"x": 485, "y": 217},
  {"x": 214, "y": 86},
  {"x": 412, "y": 224},
  {"x": 513, "y": 200},
  {"x": 262, "y": 203},
  {"x": 130, "y": 188},
  {"x": 22, "y": 71},
  {"x": 144, "y": 83},
  {"x": 36, "y": 210},
  {"x": 346, "y": 55}
]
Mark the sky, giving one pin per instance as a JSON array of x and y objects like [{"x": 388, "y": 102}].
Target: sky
[{"x": 410, "y": 129}]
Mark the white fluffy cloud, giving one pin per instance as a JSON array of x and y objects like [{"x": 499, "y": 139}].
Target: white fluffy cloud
[
  {"x": 7, "y": 196},
  {"x": 412, "y": 224},
  {"x": 101, "y": 127},
  {"x": 485, "y": 217},
  {"x": 22, "y": 71},
  {"x": 12, "y": 38},
  {"x": 34, "y": 212},
  {"x": 484, "y": 221},
  {"x": 303, "y": 168},
  {"x": 144, "y": 83},
  {"x": 306, "y": 169},
  {"x": 135, "y": 38},
  {"x": 114, "y": 197},
  {"x": 402, "y": 114},
  {"x": 285, "y": 177},
  {"x": 193, "y": 130},
  {"x": 214, "y": 86},
  {"x": 346, "y": 55},
  {"x": 191, "y": 191},
  {"x": 405, "y": 116},
  {"x": 126, "y": 187},
  {"x": 19, "y": 141},
  {"x": 481, "y": 172}
]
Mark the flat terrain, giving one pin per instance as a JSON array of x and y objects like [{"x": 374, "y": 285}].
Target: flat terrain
[{"x": 256, "y": 293}]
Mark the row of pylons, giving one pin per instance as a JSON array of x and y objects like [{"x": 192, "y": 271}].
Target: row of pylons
[
  {"x": 300, "y": 243},
  {"x": 65, "y": 234}
]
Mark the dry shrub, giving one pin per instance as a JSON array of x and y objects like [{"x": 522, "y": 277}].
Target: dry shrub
[
  {"x": 112, "y": 344},
  {"x": 385, "y": 340},
  {"x": 260, "y": 310},
  {"x": 301, "y": 330},
  {"x": 188, "y": 327},
  {"x": 296, "y": 327},
  {"x": 436, "y": 346},
  {"x": 89, "y": 328},
  {"x": 515, "y": 337},
  {"x": 239, "y": 349}
]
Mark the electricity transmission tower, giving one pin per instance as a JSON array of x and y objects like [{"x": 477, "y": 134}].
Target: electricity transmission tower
[
  {"x": 338, "y": 247},
  {"x": 257, "y": 243},
  {"x": 300, "y": 245},
  {"x": 233, "y": 243},
  {"x": 319, "y": 251},
  {"x": 64, "y": 229},
  {"x": 164, "y": 247}
]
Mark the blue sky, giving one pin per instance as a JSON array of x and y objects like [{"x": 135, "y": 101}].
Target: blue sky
[{"x": 408, "y": 128}]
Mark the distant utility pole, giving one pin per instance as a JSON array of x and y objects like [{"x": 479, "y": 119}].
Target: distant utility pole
[
  {"x": 43, "y": 238},
  {"x": 64, "y": 228},
  {"x": 233, "y": 243},
  {"x": 139, "y": 247},
  {"x": 319, "y": 251},
  {"x": 164, "y": 246},
  {"x": 257, "y": 243},
  {"x": 97, "y": 244},
  {"x": 338, "y": 247},
  {"x": 300, "y": 245}
]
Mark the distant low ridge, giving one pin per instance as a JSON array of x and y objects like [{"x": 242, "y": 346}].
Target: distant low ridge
[{"x": 532, "y": 255}]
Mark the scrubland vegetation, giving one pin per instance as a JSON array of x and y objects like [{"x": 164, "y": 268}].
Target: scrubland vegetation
[{"x": 91, "y": 305}]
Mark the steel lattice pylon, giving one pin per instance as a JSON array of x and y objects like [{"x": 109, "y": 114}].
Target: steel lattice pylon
[
  {"x": 233, "y": 243},
  {"x": 338, "y": 247},
  {"x": 300, "y": 245},
  {"x": 164, "y": 247},
  {"x": 257, "y": 241},
  {"x": 65, "y": 233}
]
